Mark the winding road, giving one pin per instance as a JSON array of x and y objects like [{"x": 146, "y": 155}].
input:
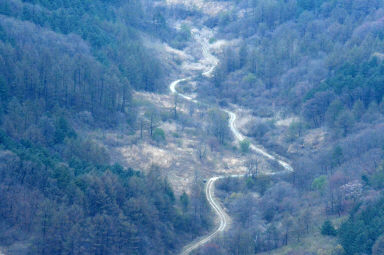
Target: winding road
[{"x": 223, "y": 218}]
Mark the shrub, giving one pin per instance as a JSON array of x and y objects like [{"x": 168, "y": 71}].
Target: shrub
[
  {"x": 158, "y": 135},
  {"x": 244, "y": 146},
  {"x": 320, "y": 183},
  {"x": 327, "y": 229}
]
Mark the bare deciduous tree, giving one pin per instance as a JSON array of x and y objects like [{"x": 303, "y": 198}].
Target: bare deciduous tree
[{"x": 252, "y": 165}]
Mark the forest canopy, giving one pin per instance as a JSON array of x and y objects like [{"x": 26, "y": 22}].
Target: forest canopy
[{"x": 66, "y": 66}]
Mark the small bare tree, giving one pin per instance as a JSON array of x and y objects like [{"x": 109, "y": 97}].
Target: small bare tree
[
  {"x": 141, "y": 123},
  {"x": 153, "y": 117},
  {"x": 201, "y": 146},
  {"x": 252, "y": 165},
  {"x": 175, "y": 103},
  {"x": 201, "y": 150},
  {"x": 192, "y": 109}
]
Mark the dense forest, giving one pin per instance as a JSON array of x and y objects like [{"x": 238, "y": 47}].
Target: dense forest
[
  {"x": 305, "y": 78},
  {"x": 66, "y": 65},
  {"x": 290, "y": 47},
  {"x": 77, "y": 55},
  {"x": 319, "y": 64},
  {"x": 68, "y": 200}
]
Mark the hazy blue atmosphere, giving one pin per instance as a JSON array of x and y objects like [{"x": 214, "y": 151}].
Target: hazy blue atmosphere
[{"x": 227, "y": 127}]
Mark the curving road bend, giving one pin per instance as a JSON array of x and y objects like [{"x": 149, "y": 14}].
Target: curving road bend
[
  {"x": 223, "y": 218},
  {"x": 239, "y": 137}
]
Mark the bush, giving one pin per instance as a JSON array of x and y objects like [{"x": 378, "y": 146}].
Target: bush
[
  {"x": 364, "y": 227},
  {"x": 327, "y": 229},
  {"x": 244, "y": 146},
  {"x": 158, "y": 135},
  {"x": 295, "y": 131},
  {"x": 259, "y": 128},
  {"x": 320, "y": 183}
]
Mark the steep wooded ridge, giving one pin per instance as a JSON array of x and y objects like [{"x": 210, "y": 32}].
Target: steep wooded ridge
[
  {"x": 300, "y": 78},
  {"x": 222, "y": 218},
  {"x": 67, "y": 67},
  {"x": 311, "y": 75}
]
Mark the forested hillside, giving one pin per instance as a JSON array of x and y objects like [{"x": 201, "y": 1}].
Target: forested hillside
[
  {"x": 290, "y": 47},
  {"x": 64, "y": 66},
  {"x": 84, "y": 84},
  {"x": 78, "y": 55},
  {"x": 311, "y": 75},
  {"x": 72, "y": 202}
]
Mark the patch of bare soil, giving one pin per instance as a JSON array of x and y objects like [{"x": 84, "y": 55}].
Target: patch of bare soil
[
  {"x": 315, "y": 138},
  {"x": 180, "y": 155},
  {"x": 177, "y": 157},
  {"x": 286, "y": 121}
]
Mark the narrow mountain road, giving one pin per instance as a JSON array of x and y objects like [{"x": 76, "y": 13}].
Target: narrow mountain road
[{"x": 222, "y": 216}]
